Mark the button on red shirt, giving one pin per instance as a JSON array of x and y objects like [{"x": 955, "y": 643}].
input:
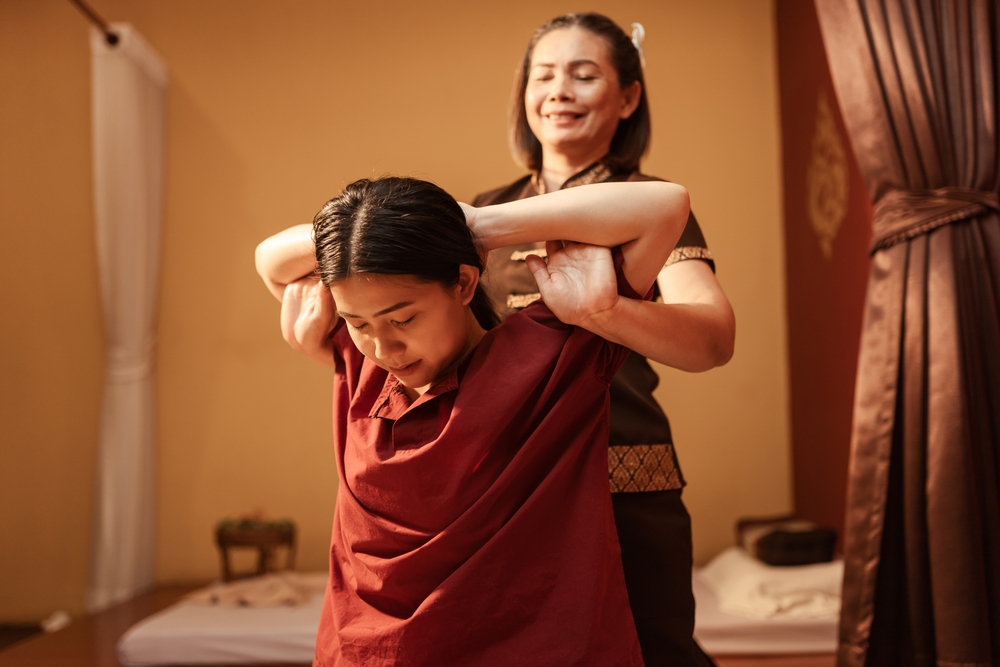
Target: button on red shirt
[{"x": 473, "y": 526}]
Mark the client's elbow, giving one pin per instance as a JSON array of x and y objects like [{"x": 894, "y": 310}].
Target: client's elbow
[
  {"x": 673, "y": 209},
  {"x": 677, "y": 204},
  {"x": 258, "y": 258},
  {"x": 262, "y": 263}
]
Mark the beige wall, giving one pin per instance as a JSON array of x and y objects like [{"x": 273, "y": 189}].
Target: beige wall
[
  {"x": 273, "y": 108},
  {"x": 50, "y": 321}
]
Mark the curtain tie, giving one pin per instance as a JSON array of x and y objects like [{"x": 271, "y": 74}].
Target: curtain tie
[{"x": 901, "y": 215}]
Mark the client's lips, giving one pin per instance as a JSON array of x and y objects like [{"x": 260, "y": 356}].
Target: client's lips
[{"x": 408, "y": 369}]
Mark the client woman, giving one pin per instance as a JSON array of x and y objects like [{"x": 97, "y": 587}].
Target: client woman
[{"x": 473, "y": 523}]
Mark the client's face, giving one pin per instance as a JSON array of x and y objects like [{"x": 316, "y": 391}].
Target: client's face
[{"x": 418, "y": 331}]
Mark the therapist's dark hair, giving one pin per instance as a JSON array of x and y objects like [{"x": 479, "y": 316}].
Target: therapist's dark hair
[
  {"x": 631, "y": 139},
  {"x": 398, "y": 226}
]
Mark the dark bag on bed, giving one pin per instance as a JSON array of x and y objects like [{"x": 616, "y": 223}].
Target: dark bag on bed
[{"x": 786, "y": 540}]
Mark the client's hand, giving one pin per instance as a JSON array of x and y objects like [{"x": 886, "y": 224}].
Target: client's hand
[
  {"x": 578, "y": 282},
  {"x": 308, "y": 315}
]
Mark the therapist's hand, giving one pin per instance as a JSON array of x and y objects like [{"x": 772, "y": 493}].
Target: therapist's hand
[{"x": 578, "y": 281}]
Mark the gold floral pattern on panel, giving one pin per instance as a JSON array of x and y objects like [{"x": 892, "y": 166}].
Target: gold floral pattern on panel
[
  {"x": 826, "y": 178},
  {"x": 635, "y": 468}
]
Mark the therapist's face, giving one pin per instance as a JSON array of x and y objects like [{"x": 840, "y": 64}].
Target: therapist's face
[{"x": 573, "y": 100}]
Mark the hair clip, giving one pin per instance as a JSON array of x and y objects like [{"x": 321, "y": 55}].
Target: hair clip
[{"x": 639, "y": 34}]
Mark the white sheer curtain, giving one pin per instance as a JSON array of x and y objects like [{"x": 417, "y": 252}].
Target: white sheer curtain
[{"x": 129, "y": 90}]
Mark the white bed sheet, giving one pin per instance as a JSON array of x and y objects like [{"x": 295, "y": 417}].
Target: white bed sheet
[
  {"x": 190, "y": 633},
  {"x": 722, "y": 633}
]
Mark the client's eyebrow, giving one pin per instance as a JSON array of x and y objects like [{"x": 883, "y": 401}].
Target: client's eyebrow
[{"x": 401, "y": 304}]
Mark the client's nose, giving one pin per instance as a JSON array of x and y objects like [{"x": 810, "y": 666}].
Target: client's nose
[{"x": 387, "y": 347}]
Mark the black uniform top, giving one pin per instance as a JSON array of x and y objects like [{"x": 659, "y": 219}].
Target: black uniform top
[{"x": 641, "y": 455}]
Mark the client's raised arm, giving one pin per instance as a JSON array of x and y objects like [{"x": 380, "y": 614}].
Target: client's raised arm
[
  {"x": 646, "y": 219},
  {"x": 285, "y": 257},
  {"x": 286, "y": 263}
]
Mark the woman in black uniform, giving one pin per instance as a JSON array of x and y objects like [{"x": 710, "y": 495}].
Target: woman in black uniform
[{"x": 579, "y": 115}]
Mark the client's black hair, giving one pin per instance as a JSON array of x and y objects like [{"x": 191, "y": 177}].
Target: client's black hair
[{"x": 398, "y": 226}]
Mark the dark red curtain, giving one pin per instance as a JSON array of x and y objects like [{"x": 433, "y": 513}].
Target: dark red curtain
[{"x": 917, "y": 84}]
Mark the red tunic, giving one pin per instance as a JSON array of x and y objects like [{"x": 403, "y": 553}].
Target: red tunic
[{"x": 474, "y": 526}]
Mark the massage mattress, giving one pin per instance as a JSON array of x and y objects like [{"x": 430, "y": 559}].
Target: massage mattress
[
  {"x": 807, "y": 624},
  {"x": 194, "y": 633}
]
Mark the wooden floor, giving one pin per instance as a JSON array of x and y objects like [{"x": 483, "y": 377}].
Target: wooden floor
[
  {"x": 92, "y": 641},
  {"x": 12, "y": 634},
  {"x": 828, "y": 660}
]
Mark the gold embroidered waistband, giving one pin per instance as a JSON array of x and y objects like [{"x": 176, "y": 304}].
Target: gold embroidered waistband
[{"x": 636, "y": 468}]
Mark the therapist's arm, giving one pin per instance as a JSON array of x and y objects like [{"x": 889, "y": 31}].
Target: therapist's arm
[
  {"x": 693, "y": 330},
  {"x": 644, "y": 219}
]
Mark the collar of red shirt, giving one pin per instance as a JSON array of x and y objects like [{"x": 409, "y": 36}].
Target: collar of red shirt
[{"x": 393, "y": 402}]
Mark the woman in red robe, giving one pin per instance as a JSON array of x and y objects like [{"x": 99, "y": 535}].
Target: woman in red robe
[{"x": 473, "y": 523}]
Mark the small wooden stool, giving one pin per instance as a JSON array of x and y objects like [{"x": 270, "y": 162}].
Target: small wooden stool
[{"x": 267, "y": 537}]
